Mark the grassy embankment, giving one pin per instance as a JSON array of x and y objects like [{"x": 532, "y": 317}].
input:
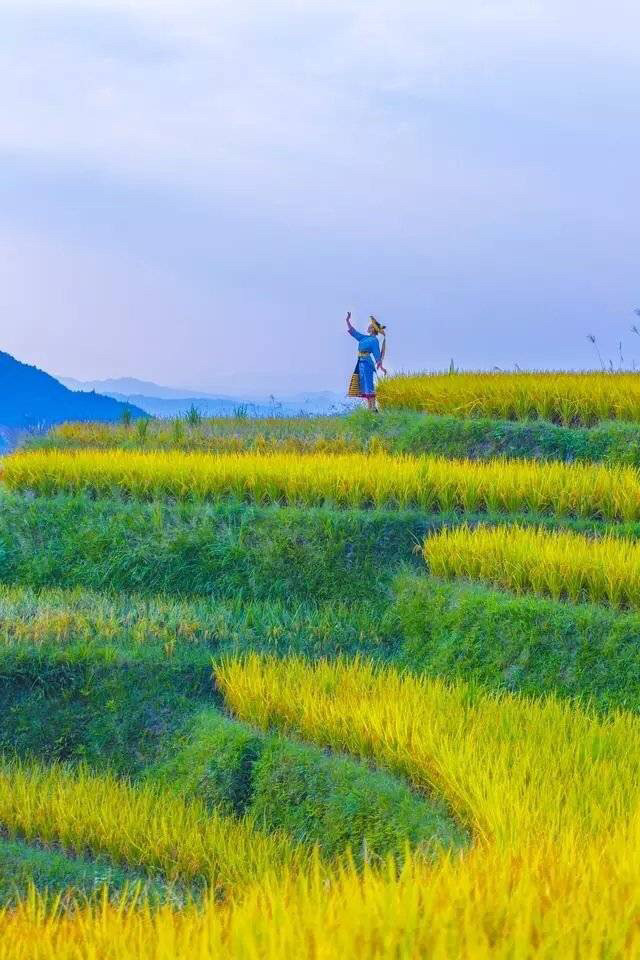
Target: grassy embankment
[
  {"x": 75, "y": 879},
  {"x": 395, "y": 432}
]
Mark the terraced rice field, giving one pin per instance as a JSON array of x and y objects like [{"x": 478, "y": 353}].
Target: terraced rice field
[
  {"x": 354, "y": 480},
  {"x": 339, "y": 693},
  {"x": 559, "y": 564},
  {"x": 561, "y": 397}
]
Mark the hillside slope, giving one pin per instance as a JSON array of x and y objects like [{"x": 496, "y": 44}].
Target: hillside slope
[{"x": 29, "y": 398}]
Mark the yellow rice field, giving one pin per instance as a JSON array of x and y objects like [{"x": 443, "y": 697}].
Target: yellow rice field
[
  {"x": 551, "y": 791},
  {"x": 354, "y": 480},
  {"x": 515, "y": 770},
  {"x": 566, "y": 398},
  {"x": 490, "y": 907},
  {"x": 558, "y": 564},
  {"x": 137, "y": 826},
  {"x": 219, "y": 435}
]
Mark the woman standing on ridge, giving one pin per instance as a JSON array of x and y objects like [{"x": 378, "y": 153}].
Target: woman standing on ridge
[{"x": 362, "y": 384}]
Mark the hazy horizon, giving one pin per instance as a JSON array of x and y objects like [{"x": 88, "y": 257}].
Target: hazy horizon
[
  {"x": 181, "y": 391},
  {"x": 194, "y": 195}
]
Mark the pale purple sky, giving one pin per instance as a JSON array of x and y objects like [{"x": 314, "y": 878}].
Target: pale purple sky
[{"x": 194, "y": 191}]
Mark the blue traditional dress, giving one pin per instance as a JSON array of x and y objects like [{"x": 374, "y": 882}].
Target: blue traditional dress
[{"x": 365, "y": 369}]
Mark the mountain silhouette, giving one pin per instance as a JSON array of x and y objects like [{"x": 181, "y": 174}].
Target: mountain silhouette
[{"x": 31, "y": 398}]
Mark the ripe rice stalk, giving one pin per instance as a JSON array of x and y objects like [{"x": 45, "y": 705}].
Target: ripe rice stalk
[
  {"x": 487, "y": 906},
  {"x": 559, "y": 564},
  {"x": 513, "y": 769},
  {"x": 137, "y": 826},
  {"x": 551, "y": 790},
  {"x": 568, "y": 398},
  {"x": 429, "y": 483}
]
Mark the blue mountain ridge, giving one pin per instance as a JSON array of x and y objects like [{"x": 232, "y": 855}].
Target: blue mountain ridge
[{"x": 32, "y": 399}]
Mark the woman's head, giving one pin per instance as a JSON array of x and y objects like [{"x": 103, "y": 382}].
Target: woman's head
[{"x": 374, "y": 327}]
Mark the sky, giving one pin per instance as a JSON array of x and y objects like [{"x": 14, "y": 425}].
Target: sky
[{"x": 196, "y": 191}]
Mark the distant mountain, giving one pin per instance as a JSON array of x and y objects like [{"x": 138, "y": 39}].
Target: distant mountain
[
  {"x": 30, "y": 398},
  {"x": 132, "y": 387},
  {"x": 321, "y": 398},
  {"x": 230, "y": 406},
  {"x": 162, "y": 407},
  {"x": 160, "y": 401}
]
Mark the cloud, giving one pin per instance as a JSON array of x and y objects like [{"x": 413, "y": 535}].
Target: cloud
[
  {"x": 287, "y": 96},
  {"x": 276, "y": 160}
]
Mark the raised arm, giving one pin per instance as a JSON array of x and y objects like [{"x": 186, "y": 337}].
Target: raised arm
[{"x": 352, "y": 330}]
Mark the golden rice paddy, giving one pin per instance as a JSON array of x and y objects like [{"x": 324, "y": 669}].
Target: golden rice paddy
[
  {"x": 566, "y": 398},
  {"x": 554, "y": 563},
  {"x": 551, "y": 793},
  {"x": 549, "y": 790},
  {"x": 137, "y": 826},
  {"x": 352, "y": 480}
]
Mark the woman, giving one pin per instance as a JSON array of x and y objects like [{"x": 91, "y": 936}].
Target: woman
[{"x": 362, "y": 384}]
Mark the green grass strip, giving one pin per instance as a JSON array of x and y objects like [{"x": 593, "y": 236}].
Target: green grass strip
[
  {"x": 55, "y": 873},
  {"x": 524, "y": 644},
  {"x": 316, "y": 798},
  {"x": 224, "y": 551},
  {"x": 392, "y": 431}
]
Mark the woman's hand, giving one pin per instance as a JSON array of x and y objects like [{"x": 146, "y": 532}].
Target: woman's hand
[
  {"x": 380, "y": 367},
  {"x": 348, "y": 318}
]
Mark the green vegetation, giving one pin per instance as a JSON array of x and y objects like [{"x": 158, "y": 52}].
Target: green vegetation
[
  {"x": 118, "y": 682},
  {"x": 218, "y": 550},
  {"x": 393, "y": 432},
  {"x": 126, "y": 685},
  {"x": 225, "y": 550},
  {"x": 114, "y": 612},
  {"x": 111, "y": 681},
  {"x": 316, "y": 798},
  {"x": 525, "y": 644},
  {"x": 75, "y": 623},
  {"x": 88, "y": 706},
  {"x": 54, "y": 872}
]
